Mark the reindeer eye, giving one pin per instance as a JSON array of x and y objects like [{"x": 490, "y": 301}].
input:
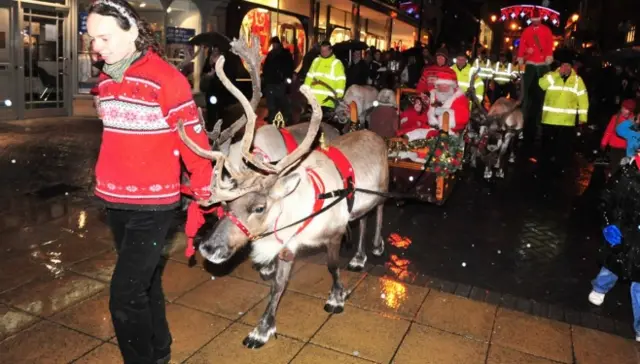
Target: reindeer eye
[{"x": 258, "y": 210}]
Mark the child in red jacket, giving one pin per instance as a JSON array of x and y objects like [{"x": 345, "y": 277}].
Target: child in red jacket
[
  {"x": 414, "y": 118},
  {"x": 611, "y": 140}
]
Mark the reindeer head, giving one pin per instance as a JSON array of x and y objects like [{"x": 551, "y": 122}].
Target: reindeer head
[{"x": 250, "y": 190}]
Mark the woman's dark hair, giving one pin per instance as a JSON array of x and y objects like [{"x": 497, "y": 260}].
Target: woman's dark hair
[{"x": 124, "y": 13}]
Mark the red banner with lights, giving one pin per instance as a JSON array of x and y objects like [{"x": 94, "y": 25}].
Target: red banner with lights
[{"x": 525, "y": 13}]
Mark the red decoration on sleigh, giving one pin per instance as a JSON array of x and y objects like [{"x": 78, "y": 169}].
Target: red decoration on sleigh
[{"x": 525, "y": 13}]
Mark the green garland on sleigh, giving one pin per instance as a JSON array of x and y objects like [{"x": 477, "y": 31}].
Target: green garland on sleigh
[{"x": 448, "y": 155}]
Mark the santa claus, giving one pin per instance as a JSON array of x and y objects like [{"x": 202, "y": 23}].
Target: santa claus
[{"x": 446, "y": 97}]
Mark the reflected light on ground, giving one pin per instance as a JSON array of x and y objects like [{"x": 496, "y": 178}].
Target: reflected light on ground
[
  {"x": 393, "y": 293},
  {"x": 82, "y": 220},
  {"x": 399, "y": 267},
  {"x": 399, "y": 241}
]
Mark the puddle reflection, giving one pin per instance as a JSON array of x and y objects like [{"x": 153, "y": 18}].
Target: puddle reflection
[{"x": 393, "y": 293}]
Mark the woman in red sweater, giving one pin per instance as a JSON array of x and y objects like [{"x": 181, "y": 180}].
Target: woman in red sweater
[
  {"x": 142, "y": 98},
  {"x": 610, "y": 140}
]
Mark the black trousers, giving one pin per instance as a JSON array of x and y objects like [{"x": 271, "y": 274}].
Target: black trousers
[
  {"x": 557, "y": 146},
  {"x": 277, "y": 100},
  {"x": 532, "y": 102},
  {"x": 137, "y": 301}
]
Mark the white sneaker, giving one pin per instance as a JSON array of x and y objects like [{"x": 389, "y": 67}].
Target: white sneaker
[{"x": 596, "y": 298}]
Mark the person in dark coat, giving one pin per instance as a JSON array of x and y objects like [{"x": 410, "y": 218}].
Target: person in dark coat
[
  {"x": 358, "y": 71},
  {"x": 307, "y": 60},
  {"x": 620, "y": 253},
  {"x": 277, "y": 72},
  {"x": 217, "y": 97}
]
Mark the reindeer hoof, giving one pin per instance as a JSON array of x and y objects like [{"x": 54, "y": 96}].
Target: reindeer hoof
[
  {"x": 267, "y": 271},
  {"x": 512, "y": 159},
  {"x": 378, "y": 251},
  {"x": 333, "y": 309},
  {"x": 500, "y": 173},
  {"x": 256, "y": 340},
  {"x": 488, "y": 174},
  {"x": 357, "y": 264}
]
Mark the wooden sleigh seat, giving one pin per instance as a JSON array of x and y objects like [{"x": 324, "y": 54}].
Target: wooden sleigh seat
[{"x": 416, "y": 175}]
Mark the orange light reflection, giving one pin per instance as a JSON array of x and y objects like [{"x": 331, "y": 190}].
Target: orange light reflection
[
  {"x": 399, "y": 241},
  {"x": 393, "y": 293},
  {"x": 399, "y": 267}
]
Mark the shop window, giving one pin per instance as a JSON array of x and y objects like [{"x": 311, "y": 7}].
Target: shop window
[
  {"x": 183, "y": 23},
  {"x": 402, "y": 35},
  {"x": 322, "y": 18},
  {"x": 339, "y": 35},
  {"x": 340, "y": 18},
  {"x": 292, "y": 6},
  {"x": 266, "y": 24}
]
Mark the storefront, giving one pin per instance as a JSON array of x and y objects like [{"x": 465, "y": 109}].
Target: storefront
[
  {"x": 374, "y": 27},
  {"x": 403, "y": 35},
  {"x": 286, "y": 19},
  {"x": 50, "y": 65}
]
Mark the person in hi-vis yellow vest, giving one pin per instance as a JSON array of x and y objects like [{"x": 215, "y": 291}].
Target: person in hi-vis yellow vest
[
  {"x": 464, "y": 71},
  {"x": 328, "y": 73}
]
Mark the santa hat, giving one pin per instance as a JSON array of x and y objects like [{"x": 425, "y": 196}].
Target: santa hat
[
  {"x": 535, "y": 15},
  {"x": 446, "y": 76}
]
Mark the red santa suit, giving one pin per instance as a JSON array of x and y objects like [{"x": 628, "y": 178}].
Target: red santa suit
[
  {"x": 411, "y": 120},
  {"x": 456, "y": 105},
  {"x": 536, "y": 44}
]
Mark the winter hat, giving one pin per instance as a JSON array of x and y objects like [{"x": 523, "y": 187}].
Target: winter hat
[
  {"x": 443, "y": 52},
  {"x": 274, "y": 40},
  {"x": 629, "y": 104},
  {"x": 446, "y": 76}
]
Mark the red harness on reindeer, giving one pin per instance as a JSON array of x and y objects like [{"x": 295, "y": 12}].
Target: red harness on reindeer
[{"x": 195, "y": 215}]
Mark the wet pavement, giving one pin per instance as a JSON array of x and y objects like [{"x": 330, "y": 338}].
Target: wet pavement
[{"x": 514, "y": 258}]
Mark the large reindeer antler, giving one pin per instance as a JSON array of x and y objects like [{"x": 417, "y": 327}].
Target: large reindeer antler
[
  {"x": 250, "y": 54},
  {"x": 252, "y": 181},
  {"x": 299, "y": 152}
]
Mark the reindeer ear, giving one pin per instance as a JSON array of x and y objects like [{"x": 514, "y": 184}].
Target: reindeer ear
[{"x": 284, "y": 186}]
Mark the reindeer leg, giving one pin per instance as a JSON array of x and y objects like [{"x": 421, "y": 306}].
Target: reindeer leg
[
  {"x": 267, "y": 270},
  {"x": 358, "y": 261},
  {"x": 378, "y": 243},
  {"x": 267, "y": 324},
  {"x": 487, "y": 171},
  {"x": 335, "y": 302},
  {"x": 473, "y": 157}
]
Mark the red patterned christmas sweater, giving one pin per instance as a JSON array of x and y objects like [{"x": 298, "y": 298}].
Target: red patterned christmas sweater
[{"x": 139, "y": 162}]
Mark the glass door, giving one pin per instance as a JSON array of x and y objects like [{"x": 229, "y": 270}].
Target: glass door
[
  {"x": 45, "y": 56},
  {"x": 8, "y": 65}
]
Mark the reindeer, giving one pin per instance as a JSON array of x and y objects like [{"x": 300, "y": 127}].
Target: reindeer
[
  {"x": 276, "y": 210},
  {"x": 363, "y": 96},
  {"x": 494, "y": 131},
  {"x": 505, "y": 121}
]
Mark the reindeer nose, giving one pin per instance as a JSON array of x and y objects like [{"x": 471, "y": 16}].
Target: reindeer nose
[{"x": 207, "y": 249}]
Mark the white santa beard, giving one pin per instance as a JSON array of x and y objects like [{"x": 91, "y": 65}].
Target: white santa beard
[{"x": 444, "y": 96}]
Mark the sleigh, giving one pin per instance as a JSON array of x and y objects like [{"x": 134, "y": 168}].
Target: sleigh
[{"x": 425, "y": 168}]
